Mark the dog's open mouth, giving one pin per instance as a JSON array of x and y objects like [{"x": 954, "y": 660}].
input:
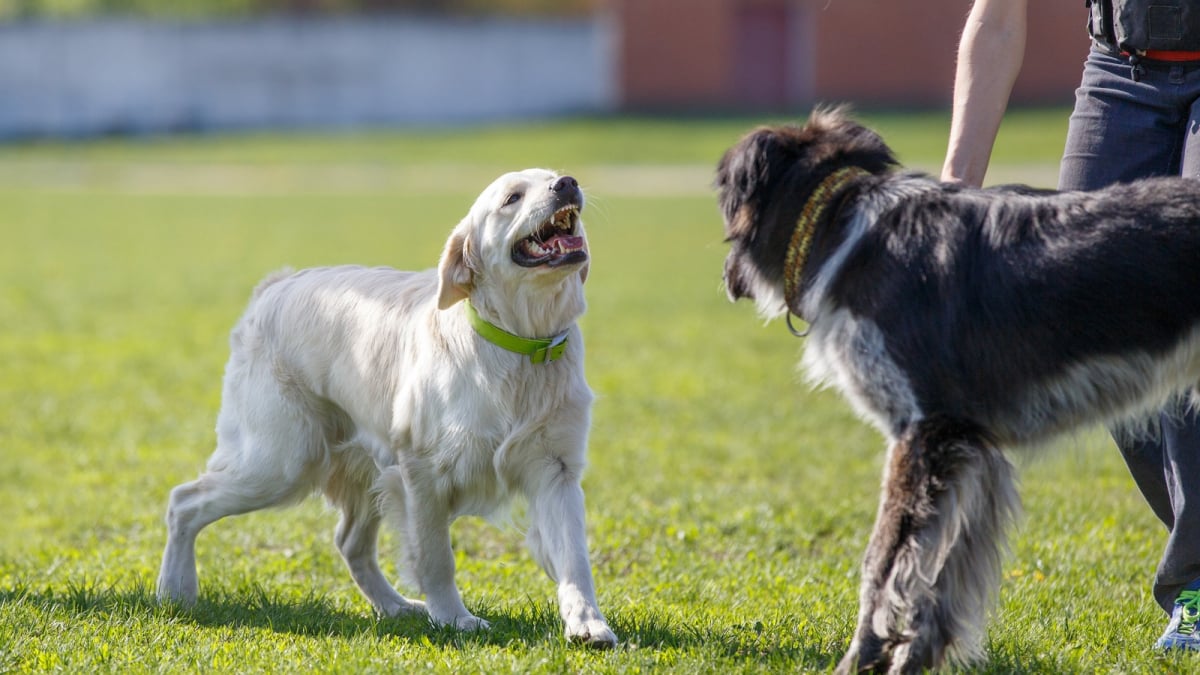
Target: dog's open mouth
[{"x": 554, "y": 243}]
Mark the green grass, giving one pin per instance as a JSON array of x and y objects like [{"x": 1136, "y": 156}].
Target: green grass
[{"x": 727, "y": 504}]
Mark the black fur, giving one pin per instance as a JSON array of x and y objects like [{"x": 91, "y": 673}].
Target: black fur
[
  {"x": 770, "y": 174},
  {"x": 1010, "y": 314}
]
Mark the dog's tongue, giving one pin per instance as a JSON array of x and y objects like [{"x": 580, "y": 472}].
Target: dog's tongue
[
  {"x": 557, "y": 250},
  {"x": 565, "y": 243}
]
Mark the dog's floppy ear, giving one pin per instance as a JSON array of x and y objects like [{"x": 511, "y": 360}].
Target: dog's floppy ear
[
  {"x": 454, "y": 270},
  {"x": 742, "y": 172}
]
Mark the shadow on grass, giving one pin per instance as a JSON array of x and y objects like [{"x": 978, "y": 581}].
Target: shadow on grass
[
  {"x": 782, "y": 646},
  {"x": 774, "y": 648},
  {"x": 1006, "y": 663},
  {"x": 530, "y": 623},
  {"x": 248, "y": 607}
]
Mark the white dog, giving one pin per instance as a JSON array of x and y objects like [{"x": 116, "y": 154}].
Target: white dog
[{"x": 383, "y": 390}]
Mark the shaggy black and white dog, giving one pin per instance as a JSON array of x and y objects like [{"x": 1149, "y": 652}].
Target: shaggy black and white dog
[{"x": 958, "y": 321}]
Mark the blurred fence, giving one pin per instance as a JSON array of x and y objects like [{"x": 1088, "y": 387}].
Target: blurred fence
[{"x": 133, "y": 76}]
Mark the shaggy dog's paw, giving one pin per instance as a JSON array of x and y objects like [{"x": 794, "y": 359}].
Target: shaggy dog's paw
[{"x": 858, "y": 660}]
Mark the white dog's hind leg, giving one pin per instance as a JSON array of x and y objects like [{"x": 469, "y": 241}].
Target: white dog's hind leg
[
  {"x": 268, "y": 462},
  {"x": 177, "y": 579},
  {"x": 197, "y": 504},
  {"x": 558, "y": 539}
]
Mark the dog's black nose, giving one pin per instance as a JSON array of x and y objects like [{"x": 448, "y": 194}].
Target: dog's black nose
[{"x": 565, "y": 183}]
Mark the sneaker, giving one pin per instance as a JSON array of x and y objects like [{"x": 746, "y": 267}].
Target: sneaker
[{"x": 1181, "y": 630}]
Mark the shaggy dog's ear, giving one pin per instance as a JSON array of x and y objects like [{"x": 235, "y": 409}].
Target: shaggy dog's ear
[
  {"x": 741, "y": 172},
  {"x": 454, "y": 270}
]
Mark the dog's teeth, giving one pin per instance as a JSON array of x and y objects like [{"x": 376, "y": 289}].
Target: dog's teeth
[{"x": 534, "y": 248}]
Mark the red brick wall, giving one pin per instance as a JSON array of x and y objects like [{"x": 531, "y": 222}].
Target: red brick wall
[
  {"x": 904, "y": 52},
  {"x": 1055, "y": 48},
  {"x": 673, "y": 53},
  {"x": 682, "y": 54},
  {"x": 885, "y": 52}
]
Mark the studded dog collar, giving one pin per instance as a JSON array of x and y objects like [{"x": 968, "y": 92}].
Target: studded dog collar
[{"x": 802, "y": 237}]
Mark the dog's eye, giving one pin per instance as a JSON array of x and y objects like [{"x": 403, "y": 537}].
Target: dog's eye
[{"x": 511, "y": 199}]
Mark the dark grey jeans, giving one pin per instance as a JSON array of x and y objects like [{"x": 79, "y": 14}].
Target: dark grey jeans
[{"x": 1124, "y": 128}]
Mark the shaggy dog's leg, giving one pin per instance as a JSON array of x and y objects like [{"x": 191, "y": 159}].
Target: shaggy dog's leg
[
  {"x": 933, "y": 562},
  {"x": 558, "y": 540}
]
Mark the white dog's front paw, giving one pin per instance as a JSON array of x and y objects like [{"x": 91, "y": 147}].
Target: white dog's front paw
[
  {"x": 471, "y": 622},
  {"x": 466, "y": 621},
  {"x": 401, "y": 606},
  {"x": 173, "y": 590},
  {"x": 593, "y": 633}
]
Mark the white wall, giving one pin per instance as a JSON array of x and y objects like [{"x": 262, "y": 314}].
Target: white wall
[{"x": 135, "y": 76}]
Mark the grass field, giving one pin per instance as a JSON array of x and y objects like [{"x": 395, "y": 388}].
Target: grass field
[{"x": 727, "y": 504}]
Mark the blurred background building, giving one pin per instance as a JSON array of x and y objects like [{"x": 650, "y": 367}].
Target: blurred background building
[
  {"x": 779, "y": 54},
  {"x": 83, "y": 67}
]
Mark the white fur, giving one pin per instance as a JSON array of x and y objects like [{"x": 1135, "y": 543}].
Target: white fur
[
  {"x": 842, "y": 350},
  {"x": 850, "y": 353},
  {"x": 370, "y": 385},
  {"x": 1126, "y": 391}
]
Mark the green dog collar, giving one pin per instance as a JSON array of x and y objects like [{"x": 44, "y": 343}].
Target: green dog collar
[{"x": 539, "y": 350}]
